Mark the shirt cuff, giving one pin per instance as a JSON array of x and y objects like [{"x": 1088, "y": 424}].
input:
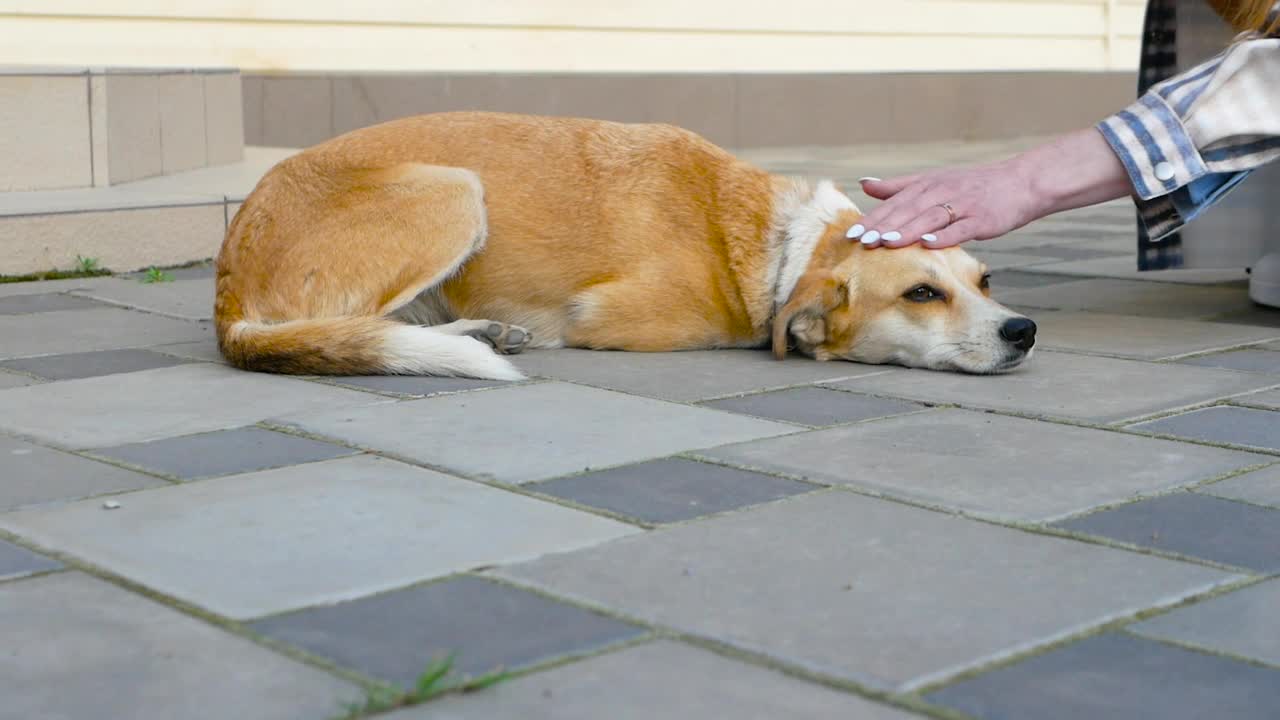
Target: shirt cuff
[{"x": 1154, "y": 146}]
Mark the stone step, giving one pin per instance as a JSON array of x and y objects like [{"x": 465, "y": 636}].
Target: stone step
[
  {"x": 76, "y": 127},
  {"x": 161, "y": 221}
]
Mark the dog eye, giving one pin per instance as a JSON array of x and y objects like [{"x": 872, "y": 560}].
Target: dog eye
[
  {"x": 985, "y": 282},
  {"x": 923, "y": 293}
]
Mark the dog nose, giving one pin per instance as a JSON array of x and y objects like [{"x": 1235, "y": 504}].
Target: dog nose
[{"x": 1020, "y": 331}]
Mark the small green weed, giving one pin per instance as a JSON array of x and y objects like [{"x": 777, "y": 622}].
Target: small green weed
[
  {"x": 87, "y": 265},
  {"x": 437, "y": 679},
  {"x": 156, "y": 275}
]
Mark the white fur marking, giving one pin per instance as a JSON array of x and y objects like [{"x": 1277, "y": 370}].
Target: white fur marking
[
  {"x": 804, "y": 228},
  {"x": 411, "y": 350}
]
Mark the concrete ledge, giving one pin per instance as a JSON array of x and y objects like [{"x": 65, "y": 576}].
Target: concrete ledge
[
  {"x": 734, "y": 110},
  {"x": 166, "y": 220}
]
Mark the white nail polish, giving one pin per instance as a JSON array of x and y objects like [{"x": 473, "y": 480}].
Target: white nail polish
[
  {"x": 868, "y": 179},
  {"x": 870, "y": 238},
  {"x": 891, "y": 236},
  {"x": 929, "y": 238},
  {"x": 855, "y": 232}
]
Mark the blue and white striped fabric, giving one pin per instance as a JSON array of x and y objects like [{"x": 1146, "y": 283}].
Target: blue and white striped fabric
[{"x": 1191, "y": 138}]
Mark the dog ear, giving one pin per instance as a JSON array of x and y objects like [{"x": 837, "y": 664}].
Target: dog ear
[{"x": 804, "y": 315}]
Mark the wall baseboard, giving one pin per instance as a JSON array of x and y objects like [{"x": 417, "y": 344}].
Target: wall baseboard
[{"x": 734, "y": 110}]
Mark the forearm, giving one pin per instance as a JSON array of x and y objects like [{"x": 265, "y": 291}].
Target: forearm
[{"x": 1072, "y": 171}]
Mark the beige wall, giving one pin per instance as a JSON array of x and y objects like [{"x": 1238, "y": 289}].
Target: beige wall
[{"x": 627, "y": 36}]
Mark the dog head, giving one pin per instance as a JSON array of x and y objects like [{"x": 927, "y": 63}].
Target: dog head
[{"x": 909, "y": 306}]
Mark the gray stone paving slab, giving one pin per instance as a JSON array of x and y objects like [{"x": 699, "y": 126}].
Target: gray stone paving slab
[
  {"x": 1132, "y": 297},
  {"x": 989, "y": 465},
  {"x": 67, "y": 331},
  {"x": 92, "y": 364},
  {"x": 43, "y": 302},
  {"x": 1235, "y": 425},
  {"x": 1069, "y": 386},
  {"x": 662, "y": 679},
  {"x": 1008, "y": 280},
  {"x": 1267, "y": 361},
  {"x": 1142, "y": 338},
  {"x": 206, "y": 350},
  {"x": 1119, "y": 677},
  {"x": 995, "y": 260},
  {"x": 1268, "y": 399},
  {"x": 534, "y": 432},
  {"x": 1242, "y": 623},
  {"x": 39, "y": 287},
  {"x": 1261, "y": 487},
  {"x": 161, "y": 403},
  {"x": 77, "y": 648},
  {"x": 1196, "y": 525},
  {"x": 1127, "y": 268},
  {"x": 814, "y": 406},
  {"x": 671, "y": 490},
  {"x": 1256, "y": 315},
  {"x": 35, "y": 474},
  {"x": 187, "y": 299},
  {"x": 324, "y": 532},
  {"x": 875, "y": 591},
  {"x": 223, "y": 452},
  {"x": 686, "y": 376},
  {"x": 13, "y": 380},
  {"x": 486, "y": 625},
  {"x": 415, "y": 385},
  {"x": 17, "y": 561}
]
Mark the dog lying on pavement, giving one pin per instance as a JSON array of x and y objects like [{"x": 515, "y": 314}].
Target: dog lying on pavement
[{"x": 434, "y": 245}]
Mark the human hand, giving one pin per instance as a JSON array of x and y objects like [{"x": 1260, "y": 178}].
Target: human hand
[{"x": 950, "y": 206}]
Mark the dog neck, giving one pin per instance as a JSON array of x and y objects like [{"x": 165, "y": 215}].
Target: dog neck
[{"x": 801, "y": 215}]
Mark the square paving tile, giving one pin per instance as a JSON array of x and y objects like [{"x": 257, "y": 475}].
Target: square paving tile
[
  {"x": 43, "y": 302},
  {"x": 989, "y": 465},
  {"x": 1127, "y": 268},
  {"x": 686, "y": 376},
  {"x": 68, "y": 331},
  {"x": 1225, "y": 531},
  {"x": 1266, "y": 361},
  {"x": 1141, "y": 338},
  {"x": 671, "y": 490},
  {"x": 1269, "y": 399},
  {"x": 416, "y": 385},
  {"x": 35, "y": 474},
  {"x": 814, "y": 406},
  {"x": 223, "y": 452},
  {"x": 1119, "y": 677},
  {"x": 875, "y": 591},
  {"x": 1079, "y": 387},
  {"x": 1242, "y": 623},
  {"x": 1261, "y": 487},
  {"x": 206, "y": 350},
  {"x": 694, "y": 685},
  {"x": 318, "y": 533},
  {"x": 1132, "y": 297},
  {"x": 77, "y": 648},
  {"x": 17, "y": 561},
  {"x": 1003, "y": 281},
  {"x": 92, "y": 364},
  {"x": 189, "y": 299},
  {"x": 161, "y": 403},
  {"x": 1234, "y": 425},
  {"x": 13, "y": 380},
  {"x": 488, "y": 625},
  {"x": 534, "y": 432},
  {"x": 995, "y": 260}
]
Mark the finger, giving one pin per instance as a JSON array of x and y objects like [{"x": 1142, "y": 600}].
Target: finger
[
  {"x": 893, "y": 215},
  {"x": 958, "y": 232},
  {"x": 885, "y": 189},
  {"x": 931, "y": 220}
]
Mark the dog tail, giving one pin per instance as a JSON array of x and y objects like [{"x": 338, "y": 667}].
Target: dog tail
[{"x": 358, "y": 346}]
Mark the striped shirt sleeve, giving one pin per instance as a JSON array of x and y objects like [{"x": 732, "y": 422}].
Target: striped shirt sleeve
[{"x": 1193, "y": 137}]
